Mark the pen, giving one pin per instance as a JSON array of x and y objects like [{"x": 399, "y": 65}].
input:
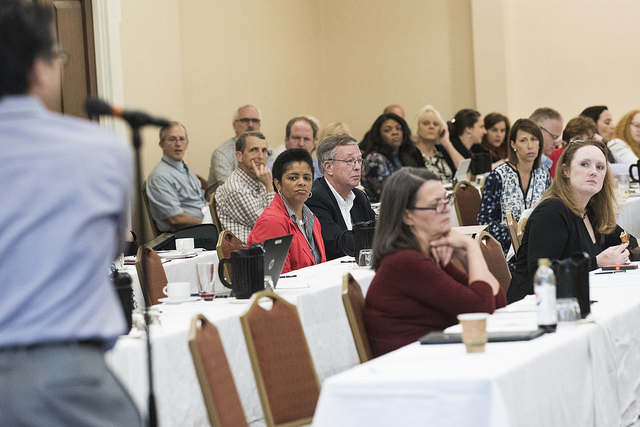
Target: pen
[
  {"x": 290, "y": 275},
  {"x": 611, "y": 272},
  {"x": 347, "y": 261}
]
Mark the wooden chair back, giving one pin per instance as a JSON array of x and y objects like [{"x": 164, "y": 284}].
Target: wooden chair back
[
  {"x": 353, "y": 301},
  {"x": 214, "y": 374},
  {"x": 467, "y": 203},
  {"x": 494, "y": 257},
  {"x": 152, "y": 270},
  {"x": 214, "y": 212},
  {"x": 145, "y": 198},
  {"x": 512, "y": 226},
  {"x": 281, "y": 360},
  {"x": 227, "y": 243}
]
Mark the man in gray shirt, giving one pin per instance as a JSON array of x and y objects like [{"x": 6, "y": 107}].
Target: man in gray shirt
[
  {"x": 223, "y": 159},
  {"x": 176, "y": 198}
]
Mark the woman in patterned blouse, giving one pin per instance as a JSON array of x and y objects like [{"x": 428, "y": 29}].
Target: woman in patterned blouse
[
  {"x": 517, "y": 184},
  {"x": 390, "y": 148},
  {"x": 432, "y": 139}
]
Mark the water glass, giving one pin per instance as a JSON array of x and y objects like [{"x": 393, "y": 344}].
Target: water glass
[
  {"x": 365, "y": 257},
  {"x": 206, "y": 279},
  {"x": 568, "y": 311}
]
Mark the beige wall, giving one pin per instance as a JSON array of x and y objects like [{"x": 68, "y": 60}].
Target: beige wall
[
  {"x": 566, "y": 54},
  {"x": 196, "y": 61}
]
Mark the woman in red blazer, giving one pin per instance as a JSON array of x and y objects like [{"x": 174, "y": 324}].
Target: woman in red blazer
[{"x": 287, "y": 213}]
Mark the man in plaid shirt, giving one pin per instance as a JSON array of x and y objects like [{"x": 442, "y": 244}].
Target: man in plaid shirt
[{"x": 249, "y": 188}]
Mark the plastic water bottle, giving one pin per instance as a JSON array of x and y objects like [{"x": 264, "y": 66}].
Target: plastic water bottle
[{"x": 544, "y": 286}]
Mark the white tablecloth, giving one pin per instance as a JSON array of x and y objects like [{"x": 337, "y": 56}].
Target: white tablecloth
[
  {"x": 585, "y": 375},
  {"x": 629, "y": 216},
  {"x": 316, "y": 291}
]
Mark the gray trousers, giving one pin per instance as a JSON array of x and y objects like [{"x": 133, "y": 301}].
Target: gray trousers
[{"x": 62, "y": 385}]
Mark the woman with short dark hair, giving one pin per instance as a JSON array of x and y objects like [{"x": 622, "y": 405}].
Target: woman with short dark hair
[
  {"x": 287, "y": 214},
  {"x": 417, "y": 288}
]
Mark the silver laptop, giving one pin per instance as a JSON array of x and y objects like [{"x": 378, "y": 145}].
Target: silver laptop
[
  {"x": 463, "y": 168},
  {"x": 275, "y": 254}
]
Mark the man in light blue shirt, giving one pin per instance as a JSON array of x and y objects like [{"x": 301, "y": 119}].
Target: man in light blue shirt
[
  {"x": 176, "y": 198},
  {"x": 65, "y": 196}
]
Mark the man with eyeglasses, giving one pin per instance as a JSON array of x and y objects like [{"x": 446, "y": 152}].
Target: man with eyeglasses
[
  {"x": 550, "y": 123},
  {"x": 65, "y": 196},
  {"x": 335, "y": 200},
  {"x": 176, "y": 199},
  {"x": 223, "y": 159}
]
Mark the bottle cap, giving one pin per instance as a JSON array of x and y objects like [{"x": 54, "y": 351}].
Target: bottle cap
[{"x": 543, "y": 261}]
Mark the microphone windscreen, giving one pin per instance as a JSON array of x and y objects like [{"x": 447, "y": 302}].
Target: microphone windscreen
[{"x": 97, "y": 107}]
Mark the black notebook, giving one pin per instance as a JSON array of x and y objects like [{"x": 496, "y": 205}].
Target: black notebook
[{"x": 455, "y": 338}]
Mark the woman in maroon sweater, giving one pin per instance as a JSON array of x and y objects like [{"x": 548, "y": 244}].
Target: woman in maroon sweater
[{"x": 417, "y": 289}]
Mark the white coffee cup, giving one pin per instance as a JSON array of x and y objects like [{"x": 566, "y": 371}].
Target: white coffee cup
[
  {"x": 185, "y": 245},
  {"x": 177, "y": 290}
]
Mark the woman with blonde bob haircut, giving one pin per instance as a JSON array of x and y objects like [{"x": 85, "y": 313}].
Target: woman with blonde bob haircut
[
  {"x": 626, "y": 145},
  {"x": 577, "y": 214},
  {"x": 417, "y": 289}
]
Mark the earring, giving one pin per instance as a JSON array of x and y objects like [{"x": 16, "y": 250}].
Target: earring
[
  {"x": 515, "y": 150},
  {"x": 310, "y": 194}
]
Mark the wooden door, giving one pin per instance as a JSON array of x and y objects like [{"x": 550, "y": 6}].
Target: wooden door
[{"x": 73, "y": 24}]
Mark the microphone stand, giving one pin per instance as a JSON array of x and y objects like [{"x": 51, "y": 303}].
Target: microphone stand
[{"x": 144, "y": 283}]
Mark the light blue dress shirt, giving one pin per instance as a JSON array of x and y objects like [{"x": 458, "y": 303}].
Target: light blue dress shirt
[{"x": 65, "y": 194}]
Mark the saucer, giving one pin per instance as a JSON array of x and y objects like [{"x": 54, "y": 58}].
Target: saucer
[
  {"x": 178, "y": 301},
  {"x": 177, "y": 254}
]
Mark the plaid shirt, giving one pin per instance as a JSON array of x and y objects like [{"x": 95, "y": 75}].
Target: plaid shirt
[{"x": 240, "y": 201}]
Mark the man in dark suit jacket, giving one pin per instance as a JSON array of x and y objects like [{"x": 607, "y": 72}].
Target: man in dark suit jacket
[{"x": 335, "y": 201}]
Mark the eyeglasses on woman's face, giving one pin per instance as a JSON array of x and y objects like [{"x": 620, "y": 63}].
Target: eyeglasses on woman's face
[{"x": 440, "y": 206}]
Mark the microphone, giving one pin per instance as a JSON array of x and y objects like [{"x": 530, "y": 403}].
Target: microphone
[{"x": 98, "y": 107}]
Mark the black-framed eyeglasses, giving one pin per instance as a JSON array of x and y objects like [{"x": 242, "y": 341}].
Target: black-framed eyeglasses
[
  {"x": 555, "y": 137},
  {"x": 438, "y": 207},
  {"x": 247, "y": 120},
  {"x": 59, "y": 55},
  {"x": 350, "y": 162}
]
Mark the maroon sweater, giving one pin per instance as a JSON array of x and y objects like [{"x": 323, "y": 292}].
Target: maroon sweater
[{"x": 411, "y": 295}]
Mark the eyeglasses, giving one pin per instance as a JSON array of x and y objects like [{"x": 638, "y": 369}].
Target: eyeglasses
[
  {"x": 555, "y": 137},
  {"x": 59, "y": 55},
  {"x": 350, "y": 162},
  {"x": 247, "y": 120},
  {"x": 440, "y": 206}
]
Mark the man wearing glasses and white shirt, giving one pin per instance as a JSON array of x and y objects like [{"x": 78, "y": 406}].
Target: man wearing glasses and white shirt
[
  {"x": 550, "y": 123},
  {"x": 335, "y": 200},
  {"x": 223, "y": 159}
]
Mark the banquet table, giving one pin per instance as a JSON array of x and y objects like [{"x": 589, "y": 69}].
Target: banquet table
[
  {"x": 316, "y": 292},
  {"x": 583, "y": 375}
]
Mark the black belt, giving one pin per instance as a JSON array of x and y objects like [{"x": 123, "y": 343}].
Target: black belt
[{"x": 39, "y": 345}]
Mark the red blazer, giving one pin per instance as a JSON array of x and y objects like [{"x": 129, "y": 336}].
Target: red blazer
[{"x": 274, "y": 222}]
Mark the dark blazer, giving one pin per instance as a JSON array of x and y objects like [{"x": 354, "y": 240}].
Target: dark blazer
[{"x": 338, "y": 241}]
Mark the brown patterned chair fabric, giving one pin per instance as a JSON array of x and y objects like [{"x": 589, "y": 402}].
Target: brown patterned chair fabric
[
  {"x": 467, "y": 203},
  {"x": 494, "y": 257},
  {"x": 154, "y": 227},
  {"x": 282, "y": 364},
  {"x": 227, "y": 243},
  {"x": 353, "y": 301},
  {"x": 512, "y": 226},
  {"x": 214, "y": 374},
  {"x": 214, "y": 212},
  {"x": 154, "y": 273}
]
